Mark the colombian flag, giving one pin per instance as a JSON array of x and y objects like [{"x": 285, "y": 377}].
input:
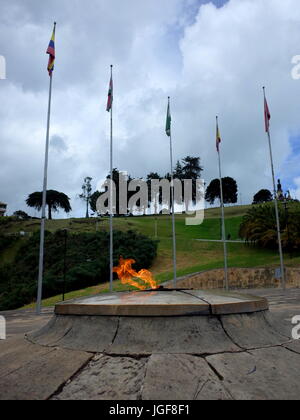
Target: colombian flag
[{"x": 51, "y": 52}]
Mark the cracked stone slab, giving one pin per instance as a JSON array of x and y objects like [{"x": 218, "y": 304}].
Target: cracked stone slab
[
  {"x": 32, "y": 372},
  {"x": 86, "y": 333},
  {"x": 264, "y": 374},
  {"x": 141, "y": 303},
  {"x": 181, "y": 377},
  {"x": 192, "y": 335},
  {"x": 107, "y": 378},
  {"x": 281, "y": 322},
  {"x": 293, "y": 345},
  {"x": 251, "y": 330},
  {"x": 165, "y": 302},
  {"x": 17, "y": 352},
  {"x": 223, "y": 303},
  {"x": 52, "y": 332}
]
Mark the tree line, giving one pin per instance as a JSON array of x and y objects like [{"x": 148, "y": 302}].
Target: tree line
[{"x": 186, "y": 168}]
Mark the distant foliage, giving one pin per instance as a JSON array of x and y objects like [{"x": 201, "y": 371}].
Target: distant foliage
[
  {"x": 259, "y": 226},
  {"x": 229, "y": 187},
  {"x": 87, "y": 263},
  {"x": 263, "y": 196},
  {"x": 55, "y": 200},
  {"x": 6, "y": 241}
]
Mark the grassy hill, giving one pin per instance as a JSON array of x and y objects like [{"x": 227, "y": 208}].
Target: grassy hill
[{"x": 192, "y": 255}]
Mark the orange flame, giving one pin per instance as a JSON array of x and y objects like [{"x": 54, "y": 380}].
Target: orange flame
[{"x": 127, "y": 274}]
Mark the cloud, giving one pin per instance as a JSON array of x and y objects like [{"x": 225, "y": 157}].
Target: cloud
[
  {"x": 210, "y": 59},
  {"x": 58, "y": 143}
]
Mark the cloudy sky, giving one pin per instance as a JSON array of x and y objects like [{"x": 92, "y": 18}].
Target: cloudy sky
[{"x": 210, "y": 57}]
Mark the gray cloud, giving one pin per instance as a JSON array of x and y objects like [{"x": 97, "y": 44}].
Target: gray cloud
[{"x": 209, "y": 60}]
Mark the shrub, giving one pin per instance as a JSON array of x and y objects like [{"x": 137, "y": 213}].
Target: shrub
[
  {"x": 259, "y": 226},
  {"x": 87, "y": 263}
]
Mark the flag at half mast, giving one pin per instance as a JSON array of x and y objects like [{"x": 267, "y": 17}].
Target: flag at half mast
[
  {"x": 218, "y": 137},
  {"x": 110, "y": 95},
  {"x": 168, "y": 122},
  {"x": 51, "y": 52}
]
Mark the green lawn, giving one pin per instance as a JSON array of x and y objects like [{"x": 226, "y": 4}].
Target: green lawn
[{"x": 192, "y": 255}]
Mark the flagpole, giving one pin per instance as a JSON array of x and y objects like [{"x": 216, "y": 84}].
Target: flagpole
[
  {"x": 173, "y": 207},
  {"x": 42, "y": 233},
  {"x": 283, "y": 282},
  {"x": 226, "y": 285},
  {"x": 111, "y": 196}
]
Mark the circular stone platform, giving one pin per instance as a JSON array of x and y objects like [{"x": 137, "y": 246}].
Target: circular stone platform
[
  {"x": 173, "y": 345},
  {"x": 165, "y": 302},
  {"x": 164, "y": 320}
]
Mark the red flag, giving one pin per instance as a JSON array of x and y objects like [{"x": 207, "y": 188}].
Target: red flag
[
  {"x": 110, "y": 96},
  {"x": 267, "y": 116}
]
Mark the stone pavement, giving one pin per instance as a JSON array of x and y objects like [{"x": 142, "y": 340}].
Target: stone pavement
[{"x": 254, "y": 363}]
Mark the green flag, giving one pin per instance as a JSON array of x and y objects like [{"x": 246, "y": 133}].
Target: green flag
[{"x": 168, "y": 122}]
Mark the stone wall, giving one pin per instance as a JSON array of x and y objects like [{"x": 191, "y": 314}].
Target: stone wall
[{"x": 239, "y": 278}]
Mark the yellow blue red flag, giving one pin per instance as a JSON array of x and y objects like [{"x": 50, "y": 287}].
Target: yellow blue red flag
[
  {"x": 51, "y": 52},
  {"x": 218, "y": 137}
]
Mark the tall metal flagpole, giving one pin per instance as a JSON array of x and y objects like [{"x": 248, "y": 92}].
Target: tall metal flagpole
[
  {"x": 173, "y": 201},
  {"x": 111, "y": 193},
  {"x": 42, "y": 233},
  {"x": 267, "y": 117},
  {"x": 226, "y": 285}
]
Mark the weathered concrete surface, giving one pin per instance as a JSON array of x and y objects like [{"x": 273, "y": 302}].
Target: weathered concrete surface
[
  {"x": 191, "y": 335},
  {"x": 264, "y": 374},
  {"x": 251, "y": 330},
  {"x": 36, "y": 372},
  {"x": 181, "y": 377},
  {"x": 19, "y": 322},
  {"x": 32, "y": 372},
  {"x": 223, "y": 303},
  {"x": 94, "y": 334},
  {"x": 162, "y": 303},
  {"x": 107, "y": 378}
]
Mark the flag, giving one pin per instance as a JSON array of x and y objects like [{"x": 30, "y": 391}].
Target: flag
[
  {"x": 168, "y": 122},
  {"x": 267, "y": 116},
  {"x": 51, "y": 52},
  {"x": 110, "y": 95},
  {"x": 218, "y": 137}
]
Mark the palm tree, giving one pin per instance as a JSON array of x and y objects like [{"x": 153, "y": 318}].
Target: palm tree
[{"x": 54, "y": 201}]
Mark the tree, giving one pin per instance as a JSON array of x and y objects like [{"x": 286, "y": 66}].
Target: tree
[
  {"x": 150, "y": 177},
  {"x": 93, "y": 201},
  {"x": 263, "y": 196},
  {"x": 178, "y": 171},
  {"x": 20, "y": 214},
  {"x": 191, "y": 169},
  {"x": 118, "y": 177},
  {"x": 54, "y": 200},
  {"x": 230, "y": 190},
  {"x": 86, "y": 193}
]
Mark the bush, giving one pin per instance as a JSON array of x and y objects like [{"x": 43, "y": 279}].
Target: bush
[
  {"x": 87, "y": 263},
  {"x": 6, "y": 241},
  {"x": 259, "y": 226}
]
